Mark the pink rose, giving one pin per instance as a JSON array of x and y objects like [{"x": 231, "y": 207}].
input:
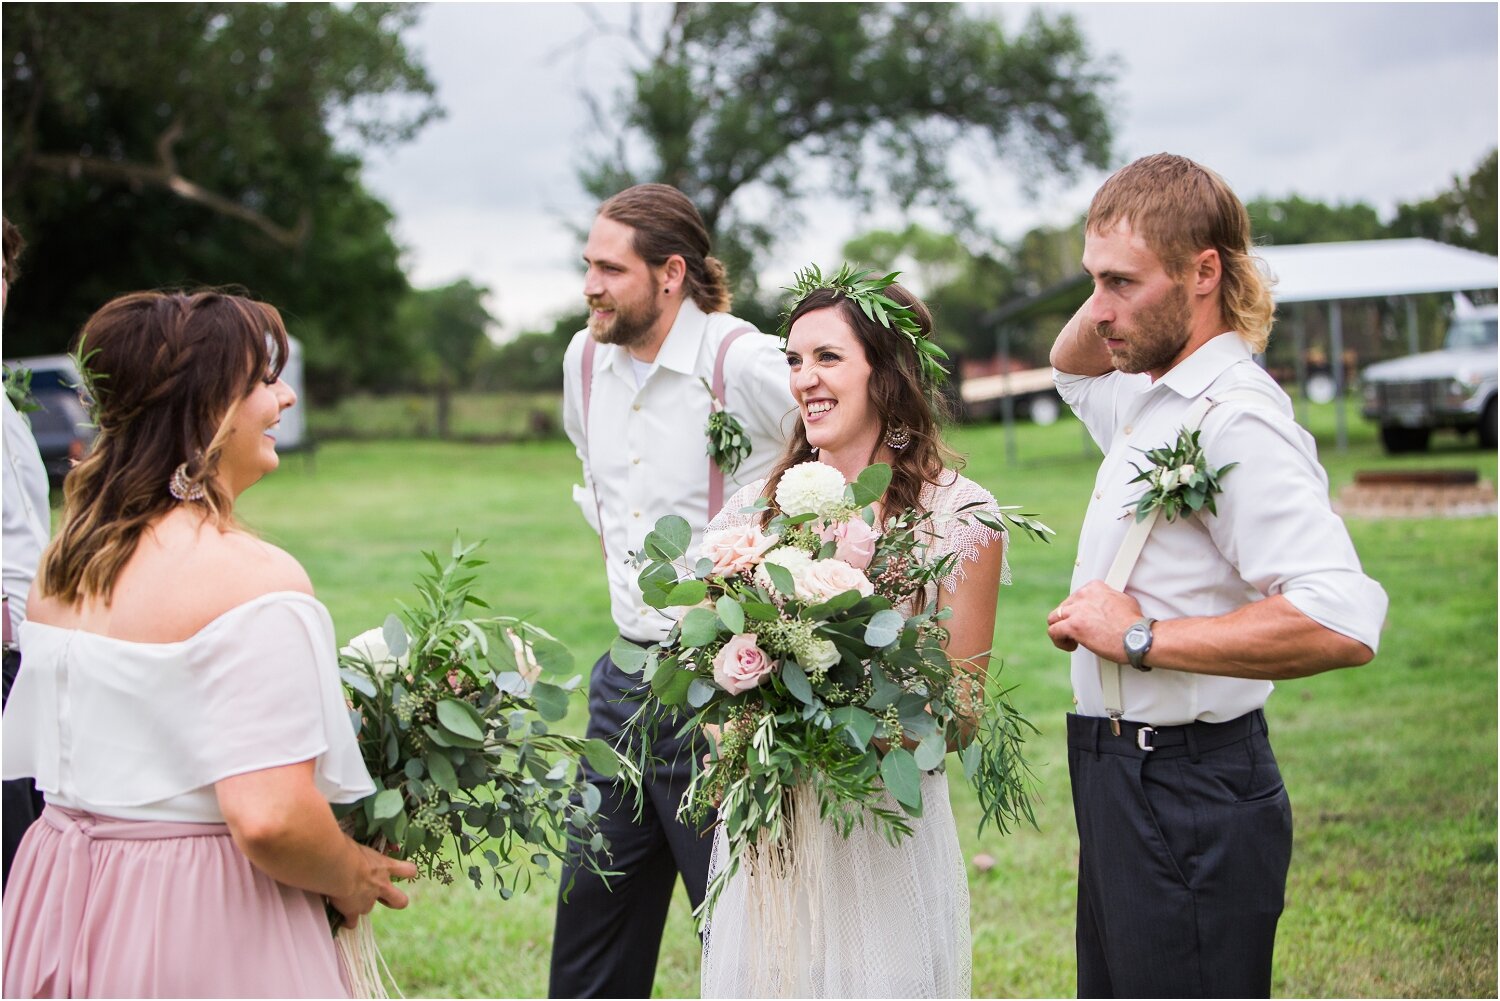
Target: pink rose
[
  {"x": 737, "y": 550},
  {"x": 741, "y": 665},
  {"x": 825, "y": 579},
  {"x": 856, "y": 541}
]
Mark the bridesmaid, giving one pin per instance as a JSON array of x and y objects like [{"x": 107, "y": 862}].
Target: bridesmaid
[{"x": 181, "y": 708}]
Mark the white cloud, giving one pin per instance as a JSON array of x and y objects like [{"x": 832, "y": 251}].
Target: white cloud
[{"x": 1341, "y": 102}]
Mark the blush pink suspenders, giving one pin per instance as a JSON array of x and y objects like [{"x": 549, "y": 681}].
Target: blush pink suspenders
[{"x": 715, "y": 476}]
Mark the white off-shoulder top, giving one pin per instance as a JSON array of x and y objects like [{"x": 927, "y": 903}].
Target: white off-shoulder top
[{"x": 142, "y": 731}]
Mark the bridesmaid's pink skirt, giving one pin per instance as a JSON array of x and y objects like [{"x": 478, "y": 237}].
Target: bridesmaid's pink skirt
[{"x": 101, "y": 907}]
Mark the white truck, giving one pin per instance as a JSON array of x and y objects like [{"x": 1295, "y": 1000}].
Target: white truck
[{"x": 1453, "y": 388}]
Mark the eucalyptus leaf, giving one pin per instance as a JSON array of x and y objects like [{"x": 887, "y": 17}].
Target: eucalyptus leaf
[
  {"x": 626, "y": 655},
  {"x": 700, "y": 690},
  {"x": 795, "y": 680},
  {"x": 699, "y": 627},
  {"x": 931, "y": 751},
  {"x": 461, "y": 719},
  {"x": 899, "y": 771},
  {"x": 592, "y": 798},
  {"x": 394, "y": 634},
  {"x": 781, "y": 577},
  {"x": 551, "y": 701},
  {"x": 441, "y": 770},
  {"x": 870, "y": 485},
  {"x": 670, "y": 538},
  {"x": 687, "y": 592},
  {"x": 859, "y": 725},
  {"x": 762, "y": 611},
  {"x": 884, "y": 628},
  {"x": 358, "y": 682},
  {"x": 551, "y": 655},
  {"x": 730, "y": 614},
  {"x": 387, "y": 804}
]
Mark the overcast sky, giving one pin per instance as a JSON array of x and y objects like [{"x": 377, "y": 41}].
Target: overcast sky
[{"x": 1341, "y": 102}]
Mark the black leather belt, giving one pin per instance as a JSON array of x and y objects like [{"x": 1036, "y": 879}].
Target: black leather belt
[{"x": 1094, "y": 733}]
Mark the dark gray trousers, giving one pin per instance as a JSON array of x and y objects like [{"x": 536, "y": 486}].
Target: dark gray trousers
[
  {"x": 607, "y": 935},
  {"x": 1183, "y": 857}
]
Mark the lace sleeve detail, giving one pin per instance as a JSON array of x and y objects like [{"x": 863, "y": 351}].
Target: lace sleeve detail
[
  {"x": 730, "y": 516},
  {"x": 958, "y": 531}
]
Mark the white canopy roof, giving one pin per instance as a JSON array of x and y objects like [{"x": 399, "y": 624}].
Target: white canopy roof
[{"x": 1361, "y": 269}]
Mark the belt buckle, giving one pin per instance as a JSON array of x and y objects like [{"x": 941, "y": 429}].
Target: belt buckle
[{"x": 1141, "y": 737}]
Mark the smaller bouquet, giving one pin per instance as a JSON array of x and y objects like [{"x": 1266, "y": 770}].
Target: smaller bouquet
[
  {"x": 453, "y": 713},
  {"x": 823, "y": 691}
]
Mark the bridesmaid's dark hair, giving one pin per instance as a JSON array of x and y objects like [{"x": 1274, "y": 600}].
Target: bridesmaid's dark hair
[{"x": 165, "y": 373}]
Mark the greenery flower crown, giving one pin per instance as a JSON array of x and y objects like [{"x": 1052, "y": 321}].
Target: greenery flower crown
[{"x": 869, "y": 294}]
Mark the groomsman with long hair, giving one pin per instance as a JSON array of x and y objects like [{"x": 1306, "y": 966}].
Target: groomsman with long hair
[
  {"x": 660, "y": 355},
  {"x": 1238, "y": 574}
]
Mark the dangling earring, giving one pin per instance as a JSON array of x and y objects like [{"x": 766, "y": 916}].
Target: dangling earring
[
  {"x": 898, "y": 436},
  {"x": 180, "y": 487}
]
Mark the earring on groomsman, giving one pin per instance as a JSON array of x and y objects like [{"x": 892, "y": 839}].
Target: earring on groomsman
[{"x": 898, "y": 436}]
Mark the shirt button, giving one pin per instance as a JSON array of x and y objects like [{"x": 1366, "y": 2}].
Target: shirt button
[
  {"x": 1078, "y": 563},
  {"x": 635, "y": 514},
  {"x": 1098, "y": 495},
  {"x": 638, "y": 406},
  {"x": 642, "y": 611},
  {"x": 635, "y": 460},
  {"x": 1129, "y": 428}
]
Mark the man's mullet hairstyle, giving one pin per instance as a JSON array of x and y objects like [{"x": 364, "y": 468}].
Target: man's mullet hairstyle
[
  {"x": 666, "y": 222},
  {"x": 1180, "y": 208}
]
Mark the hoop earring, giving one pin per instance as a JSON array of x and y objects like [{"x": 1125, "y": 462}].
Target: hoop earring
[
  {"x": 897, "y": 436},
  {"x": 183, "y": 489}
]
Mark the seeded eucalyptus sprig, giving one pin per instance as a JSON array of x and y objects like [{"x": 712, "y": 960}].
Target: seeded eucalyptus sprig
[{"x": 869, "y": 294}]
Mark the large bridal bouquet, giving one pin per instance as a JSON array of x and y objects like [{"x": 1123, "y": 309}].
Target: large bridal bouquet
[
  {"x": 795, "y": 653},
  {"x": 454, "y": 713}
]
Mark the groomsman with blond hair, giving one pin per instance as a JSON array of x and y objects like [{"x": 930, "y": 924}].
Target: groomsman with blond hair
[{"x": 1239, "y": 576}]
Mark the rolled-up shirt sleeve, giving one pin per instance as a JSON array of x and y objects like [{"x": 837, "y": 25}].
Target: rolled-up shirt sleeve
[{"x": 1276, "y": 526}]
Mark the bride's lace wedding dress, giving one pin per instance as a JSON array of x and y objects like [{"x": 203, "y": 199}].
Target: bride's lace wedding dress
[{"x": 857, "y": 917}]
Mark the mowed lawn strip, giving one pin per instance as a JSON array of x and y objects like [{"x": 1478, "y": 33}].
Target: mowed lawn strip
[{"x": 1391, "y": 767}]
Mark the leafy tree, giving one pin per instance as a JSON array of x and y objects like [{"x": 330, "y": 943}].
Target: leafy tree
[
  {"x": 147, "y": 146},
  {"x": 744, "y": 106},
  {"x": 531, "y": 361},
  {"x": 447, "y": 325},
  {"x": 1294, "y": 220},
  {"x": 1465, "y": 215}
]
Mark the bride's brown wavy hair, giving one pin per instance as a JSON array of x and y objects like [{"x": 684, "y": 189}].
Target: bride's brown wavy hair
[
  {"x": 165, "y": 373},
  {"x": 898, "y": 394}
]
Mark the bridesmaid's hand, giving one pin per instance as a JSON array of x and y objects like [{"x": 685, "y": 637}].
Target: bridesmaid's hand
[{"x": 373, "y": 882}]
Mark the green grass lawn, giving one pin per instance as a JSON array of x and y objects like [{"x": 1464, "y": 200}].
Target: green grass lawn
[{"x": 1391, "y": 767}]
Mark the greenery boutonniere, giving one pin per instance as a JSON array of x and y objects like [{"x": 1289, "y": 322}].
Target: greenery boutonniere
[
  {"x": 728, "y": 444},
  {"x": 1178, "y": 477}
]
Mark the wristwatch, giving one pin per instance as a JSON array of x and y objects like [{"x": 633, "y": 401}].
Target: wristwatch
[{"x": 1138, "y": 640}]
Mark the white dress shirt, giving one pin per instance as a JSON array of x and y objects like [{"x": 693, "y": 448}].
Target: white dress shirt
[
  {"x": 1275, "y": 531},
  {"x": 26, "y": 515},
  {"x": 645, "y": 449}
]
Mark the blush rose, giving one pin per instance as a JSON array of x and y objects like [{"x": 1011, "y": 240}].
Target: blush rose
[
  {"x": 741, "y": 665},
  {"x": 855, "y": 541}
]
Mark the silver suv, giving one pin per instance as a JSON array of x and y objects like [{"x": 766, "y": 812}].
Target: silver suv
[{"x": 1451, "y": 388}]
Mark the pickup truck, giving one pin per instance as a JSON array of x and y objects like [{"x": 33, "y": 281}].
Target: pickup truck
[{"x": 1453, "y": 388}]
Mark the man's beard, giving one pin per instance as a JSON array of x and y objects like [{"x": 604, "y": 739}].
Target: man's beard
[
  {"x": 629, "y": 326},
  {"x": 1159, "y": 334}
]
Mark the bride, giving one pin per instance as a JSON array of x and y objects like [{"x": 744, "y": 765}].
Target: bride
[{"x": 872, "y": 919}]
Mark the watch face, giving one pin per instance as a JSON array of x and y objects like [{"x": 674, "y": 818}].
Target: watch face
[{"x": 1136, "y": 637}]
